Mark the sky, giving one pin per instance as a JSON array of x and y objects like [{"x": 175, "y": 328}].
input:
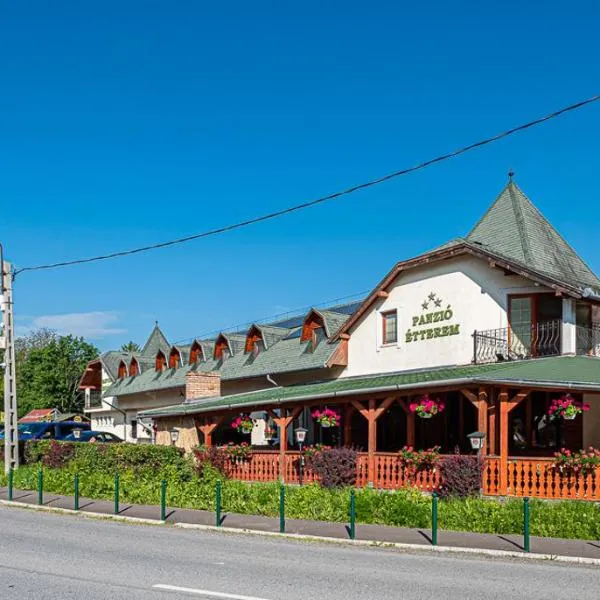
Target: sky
[{"x": 128, "y": 123}]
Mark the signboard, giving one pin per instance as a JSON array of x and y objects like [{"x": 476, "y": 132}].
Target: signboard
[{"x": 434, "y": 321}]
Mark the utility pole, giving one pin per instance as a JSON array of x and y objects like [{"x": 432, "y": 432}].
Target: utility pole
[{"x": 7, "y": 342}]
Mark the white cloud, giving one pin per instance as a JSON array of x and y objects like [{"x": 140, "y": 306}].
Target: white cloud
[{"x": 92, "y": 325}]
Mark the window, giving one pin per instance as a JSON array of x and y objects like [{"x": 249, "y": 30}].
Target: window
[
  {"x": 312, "y": 322},
  {"x": 221, "y": 348},
  {"x": 521, "y": 321},
  {"x": 122, "y": 370},
  {"x": 390, "y": 327},
  {"x": 174, "y": 358},
  {"x": 134, "y": 431},
  {"x": 195, "y": 353},
  {"x": 161, "y": 361},
  {"x": 134, "y": 367}
]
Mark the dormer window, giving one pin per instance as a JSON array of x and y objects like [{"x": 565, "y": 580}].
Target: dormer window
[
  {"x": 312, "y": 323},
  {"x": 196, "y": 354},
  {"x": 252, "y": 339},
  {"x": 161, "y": 361},
  {"x": 174, "y": 358},
  {"x": 134, "y": 367},
  {"x": 221, "y": 346},
  {"x": 122, "y": 372}
]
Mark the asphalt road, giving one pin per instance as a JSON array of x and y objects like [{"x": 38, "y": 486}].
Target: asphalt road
[{"x": 48, "y": 556}]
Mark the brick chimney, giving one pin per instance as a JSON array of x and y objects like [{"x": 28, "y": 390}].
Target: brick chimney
[{"x": 202, "y": 385}]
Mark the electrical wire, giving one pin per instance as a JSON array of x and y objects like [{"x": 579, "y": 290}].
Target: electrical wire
[{"x": 321, "y": 200}]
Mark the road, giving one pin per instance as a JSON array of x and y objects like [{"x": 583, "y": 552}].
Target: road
[{"x": 50, "y": 556}]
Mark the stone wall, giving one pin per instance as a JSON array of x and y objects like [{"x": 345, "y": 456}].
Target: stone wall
[{"x": 188, "y": 434}]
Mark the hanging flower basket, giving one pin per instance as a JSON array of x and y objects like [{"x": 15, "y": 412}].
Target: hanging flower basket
[
  {"x": 567, "y": 408},
  {"x": 426, "y": 408},
  {"x": 243, "y": 424},
  {"x": 327, "y": 417}
]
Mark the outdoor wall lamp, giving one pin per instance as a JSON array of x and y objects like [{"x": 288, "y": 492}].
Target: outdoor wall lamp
[
  {"x": 477, "y": 439},
  {"x": 174, "y": 435}
]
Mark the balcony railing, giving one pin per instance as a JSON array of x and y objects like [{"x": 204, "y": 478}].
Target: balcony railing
[
  {"x": 497, "y": 345},
  {"x": 93, "y": 399},
  {"x": 588, "y": 340}
]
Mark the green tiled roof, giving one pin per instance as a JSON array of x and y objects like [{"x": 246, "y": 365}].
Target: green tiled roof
[
  {"x": 564, "y": 372},
  {"x": 286, "y": 355},
  {"x": 515, "y": 229},
  {"x": 157, "y": 341},
  {"x": 110, "y": 361}
]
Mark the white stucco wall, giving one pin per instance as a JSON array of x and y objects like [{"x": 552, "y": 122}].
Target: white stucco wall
[
  {"x": 476, "y": 295},
  {"x": 591, "y": 421}
]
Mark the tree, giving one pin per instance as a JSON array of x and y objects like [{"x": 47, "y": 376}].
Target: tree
[
  {"x": 130, "y": 347},
  {"x": 48, "y": 376},
  {"x": 39, "y": 338}
]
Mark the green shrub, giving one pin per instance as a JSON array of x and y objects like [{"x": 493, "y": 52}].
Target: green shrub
[{"x": 402, "y": 508}]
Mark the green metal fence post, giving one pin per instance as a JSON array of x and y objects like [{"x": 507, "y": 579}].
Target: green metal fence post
[
  {"x": 281, "y": 509},
  {"x": 117, "y": 494},
  {"x": 352, "y": 514},
  {"x": 218, "y": 504},
  {"x": 163, "y": 500},
  {"x": 40, "y": 486},
  {"x": 76, "y": 498},
  {"x": 10, "y": 484},
  {"x": 526, "y": 542},
  {"x": 434, "y": 519}
]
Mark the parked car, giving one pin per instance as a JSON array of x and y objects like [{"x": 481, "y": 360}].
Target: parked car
[
  {"x": 47, "y": 430},
  {"x": 93, "y": 436}
]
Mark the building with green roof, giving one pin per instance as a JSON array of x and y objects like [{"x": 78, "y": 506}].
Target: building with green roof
[{"x": 493, "y": 327}]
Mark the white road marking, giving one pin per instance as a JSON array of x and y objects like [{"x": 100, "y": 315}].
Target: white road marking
[{"x": 175, "y": 588}]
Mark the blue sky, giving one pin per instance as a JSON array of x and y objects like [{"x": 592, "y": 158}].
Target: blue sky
[{"x": 126, "y": 123}]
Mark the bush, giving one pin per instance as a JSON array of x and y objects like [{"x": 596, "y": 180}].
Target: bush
[
  {"x": 335, "y": 467},
  {"x": 83, "y": 457},
  {"x": 401, "y": 508},
  {"x": 461, "y": 476},
  {"x": 58, "y": 455},
  {"x": 211, "y": 456}
]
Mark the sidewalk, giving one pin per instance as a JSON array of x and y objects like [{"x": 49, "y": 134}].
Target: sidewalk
[{"x": 374, "y": 533}]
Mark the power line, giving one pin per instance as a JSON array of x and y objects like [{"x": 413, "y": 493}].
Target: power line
[{"x": 323, "y": 199}]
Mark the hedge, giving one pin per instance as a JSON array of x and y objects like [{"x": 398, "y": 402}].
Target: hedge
[{"x": 141, "y": 469}]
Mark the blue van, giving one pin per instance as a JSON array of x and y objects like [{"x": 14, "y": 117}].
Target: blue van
[{"x": 51, "y": 430}]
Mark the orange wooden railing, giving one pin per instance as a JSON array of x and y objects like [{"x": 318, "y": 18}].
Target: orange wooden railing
[
  {"x": 259, "y": 466},
  {"x": 537, "y": 477},
  {"x": 525, "y": 477}
]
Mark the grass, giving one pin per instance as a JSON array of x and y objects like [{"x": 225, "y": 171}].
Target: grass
[{"x": 401, "y": 508}]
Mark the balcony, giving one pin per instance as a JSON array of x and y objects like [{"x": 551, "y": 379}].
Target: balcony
[
  {"x": 588, "y": 340},
  {"x": 540, "y": 339},
  {"x": 93, "y": 399},
  {"x": 498, "y": 345}
]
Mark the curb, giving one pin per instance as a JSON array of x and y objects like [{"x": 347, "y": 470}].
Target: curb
[
  {"x": 555, "y": 558},
  {"x": 81, "y": 513}
]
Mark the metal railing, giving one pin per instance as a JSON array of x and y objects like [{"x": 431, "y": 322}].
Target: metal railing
[
  {"x": 588, "y": 340},
  {"x": 506, "y": 343}
]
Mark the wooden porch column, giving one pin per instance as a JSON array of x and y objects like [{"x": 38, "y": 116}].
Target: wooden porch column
[
  {"x": 372, "y": 414},
  {"x": 492, "y": 412},
  {"x": 207, "y": 426},
  {"x": 506, "y": 405},
  {"x": 283, "y": 422},
  {"x": 480, "y": 401}
]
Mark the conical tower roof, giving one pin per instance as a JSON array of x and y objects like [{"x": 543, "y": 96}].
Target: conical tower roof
[
  {"x": 156, "y": 341},
  {"x": 515, "y": 229}
]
